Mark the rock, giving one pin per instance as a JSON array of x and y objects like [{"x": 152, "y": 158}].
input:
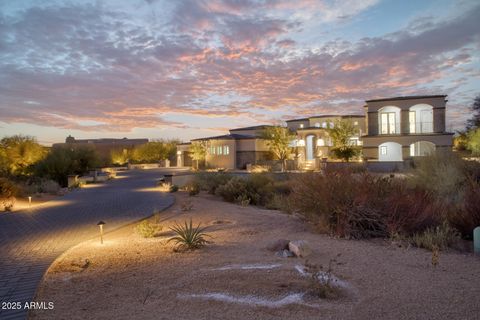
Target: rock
[
  {"x": 278, "y": 245},
  {"x": 284, "y": 254},
  {"x": 300, "y": 248}
]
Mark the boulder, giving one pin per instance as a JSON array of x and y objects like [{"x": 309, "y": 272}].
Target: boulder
[
  {"x": 299, "y": 248},
  {"x": 278, "y": 245}
]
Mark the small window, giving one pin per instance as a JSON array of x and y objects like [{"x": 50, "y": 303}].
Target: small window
[
  {"x": 317, "y": 125},
  {"x": 212, "y": 150},
  {"x": 226, "y": 150},
  {"x": 320, "y": 142},
  {"x": 383, "y": 150},
  {"x": 324, "y": 125},
  {"x": 219, "y": 150},
  {"x": 355, "y": 123},
  {"x": 301, "y": 125},
  {"x": 331, "y": 124}
]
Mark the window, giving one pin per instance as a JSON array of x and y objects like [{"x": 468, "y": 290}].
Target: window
[
  {"x": 317, "y": 125},
  {"x": 212, "y": 150},
  {"x": 411, "y": 118},
  {"x": 301, "y": 125},
  {"x": 388, "y": 123},
  {"x": 331, "y": 125},
  {"x": 226, "y": 150},
  {"x": 324, "y": 124},
  {"x": 320, "y": 143},
  {"x": 355, "y": 123},
  {"x": 412, "y": 150},
  {"x": 383, "y": 150},
  {"x": 219, "y": 150}
]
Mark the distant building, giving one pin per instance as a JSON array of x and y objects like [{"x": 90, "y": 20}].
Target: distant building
[{"x": 104, "y": 147}]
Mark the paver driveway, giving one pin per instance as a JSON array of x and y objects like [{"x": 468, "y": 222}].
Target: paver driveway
[{"x": 31, "y": 240}]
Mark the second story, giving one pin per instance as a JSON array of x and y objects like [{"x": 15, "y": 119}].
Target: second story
[
  {"x": 325, "y": 122},
  {"x": 406, "y": 115}
]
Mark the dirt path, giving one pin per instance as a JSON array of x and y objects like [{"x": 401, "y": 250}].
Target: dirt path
[{"x": 236, "y": 277}]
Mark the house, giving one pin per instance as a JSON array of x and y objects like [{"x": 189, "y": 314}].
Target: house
[
  {"x": 235, "y": 150},
  {"x": 392, "y": 130},
  {"x": 404, "y": 127},
  {"x": 313, "y": 141},
  {"x": 104, "y": 147}
]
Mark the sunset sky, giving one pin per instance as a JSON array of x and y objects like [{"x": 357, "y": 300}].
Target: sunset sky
[{"x": 187, "y": 69}]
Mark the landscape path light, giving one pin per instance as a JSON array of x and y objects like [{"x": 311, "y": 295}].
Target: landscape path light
[
  {"x": 30, "y": 201},
  {"x": 100, "y": 225}
]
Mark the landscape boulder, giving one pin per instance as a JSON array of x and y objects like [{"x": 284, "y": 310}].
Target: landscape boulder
[
  {"x": 299, "y": 248},
  {"x": 278, "y": 245}
]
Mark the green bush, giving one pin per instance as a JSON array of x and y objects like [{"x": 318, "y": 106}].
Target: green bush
[
  {"x": 147, "y": 229},
  {"x": 441, "y": 237}
]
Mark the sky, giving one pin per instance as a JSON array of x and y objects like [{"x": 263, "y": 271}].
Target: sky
[{"x": 191, "y": 68}]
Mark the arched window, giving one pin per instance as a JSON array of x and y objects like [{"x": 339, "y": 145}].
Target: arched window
[
  {"x": 420, "y": 118},
  {"x": 389, "y": 120}
]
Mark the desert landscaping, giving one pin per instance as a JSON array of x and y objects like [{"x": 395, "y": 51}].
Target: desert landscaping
[{"x": 242, "y": 273}]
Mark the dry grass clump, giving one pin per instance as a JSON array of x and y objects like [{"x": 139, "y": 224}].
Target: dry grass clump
[
  {"x": 147, "y": 229},
  {"x": 321, "y": 283}
]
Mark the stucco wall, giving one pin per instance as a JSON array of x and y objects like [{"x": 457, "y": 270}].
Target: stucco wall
[
  {"x": 438, "y": 104},
  {"x": 221, "y": 160}
]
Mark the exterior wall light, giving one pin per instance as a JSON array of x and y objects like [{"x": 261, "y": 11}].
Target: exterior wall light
[
  {"x": 179, "y": 152},
  {"x": 320, "y": 143},
  {"x": 100, "y": 225},
  {"x": 301, "y": 143}
]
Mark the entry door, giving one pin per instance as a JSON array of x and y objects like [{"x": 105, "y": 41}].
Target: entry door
[{"x": 309, "y": 146}]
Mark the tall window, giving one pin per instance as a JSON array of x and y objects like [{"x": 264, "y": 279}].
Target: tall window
[
  {"x": 226, "y": 150},
  {"x": 219, "y": 150},
  {"x": 388, "y": 122}
]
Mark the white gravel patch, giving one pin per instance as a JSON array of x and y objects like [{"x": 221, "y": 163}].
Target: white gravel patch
[
  {"x": 248, "y": 267},
  {"x": 294, "y": 298},
  {"x": 322, "y": 277}
]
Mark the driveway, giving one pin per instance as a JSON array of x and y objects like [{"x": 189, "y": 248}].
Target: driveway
[{"x": 31, "y": 240}]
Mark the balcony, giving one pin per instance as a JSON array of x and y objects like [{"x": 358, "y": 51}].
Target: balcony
[
  {"x": 387, "y": 128},
  {"x": 421, "y": 127}
]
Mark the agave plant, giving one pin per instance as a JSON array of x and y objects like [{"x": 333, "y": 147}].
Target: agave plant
[{"x": 188, "y": 237}]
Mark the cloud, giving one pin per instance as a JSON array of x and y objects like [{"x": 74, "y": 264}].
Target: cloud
[{"x": 94, "y": 68}]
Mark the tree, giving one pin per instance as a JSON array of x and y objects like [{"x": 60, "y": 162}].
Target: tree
[
  {"x": 61, "y": 162},
  {"x": 341, "y": 134},
  {"x": 278, "y": 140},
  {"x": 198, "y": 151},
  {"x": 18, "y": 155},
  {"x": 154, "y": 151},
  {"x": 474, "y": 122},
  {"x": 473, "y": 143}
]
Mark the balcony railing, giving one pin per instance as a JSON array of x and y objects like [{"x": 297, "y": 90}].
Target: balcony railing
[
  {"x": 421, "y": 127},
  {"x": 389, "y": 128}
]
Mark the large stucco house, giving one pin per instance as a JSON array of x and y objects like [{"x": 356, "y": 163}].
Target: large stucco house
[{"x": 392, "y": 130}]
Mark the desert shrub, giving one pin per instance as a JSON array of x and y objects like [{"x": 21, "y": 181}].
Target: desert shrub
[
  {"x": 279, "y": 201},
  {"x": 193, "y": 188},
  {"x": 443, "y": 174},
  {"x": 147, "y": 229},
  {"x": 188, "y": 237},
  {"x": 466, "y": 216},
  {"x": 211, "y": 181},
  {"x": 441, "y": 237},
  {"x": 8, "y": 191},
  {"x": 48, "y": 186},
  {"x": 362, "y": 205},
  {"x": 236, "y": 189}
]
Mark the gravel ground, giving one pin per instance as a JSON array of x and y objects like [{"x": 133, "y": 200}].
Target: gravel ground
[{"x": 236, "y": 277}]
